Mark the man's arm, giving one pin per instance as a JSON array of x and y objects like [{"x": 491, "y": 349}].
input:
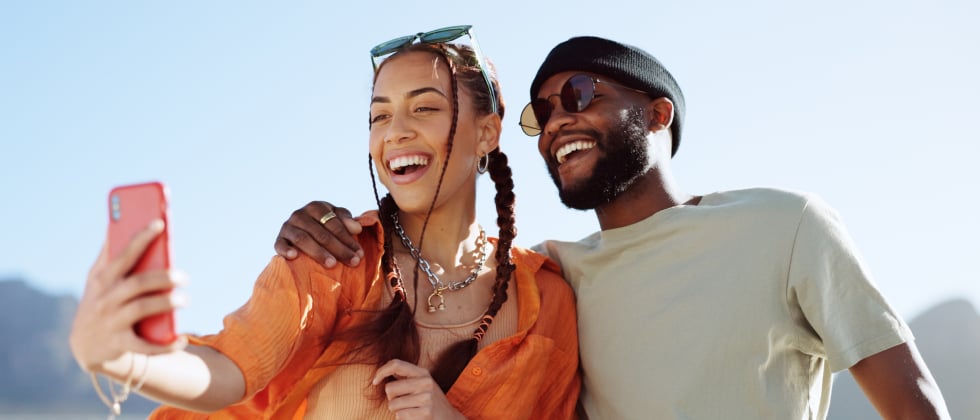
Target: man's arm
[
  {"x": 312, "y": 231},
  {"x": 899, "y": 385}
]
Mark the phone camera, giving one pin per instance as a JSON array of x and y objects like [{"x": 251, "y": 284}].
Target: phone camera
[{"x": 114, "y": 208}]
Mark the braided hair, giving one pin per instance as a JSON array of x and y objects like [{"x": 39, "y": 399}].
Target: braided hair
[{"x": 392, "y": 334}]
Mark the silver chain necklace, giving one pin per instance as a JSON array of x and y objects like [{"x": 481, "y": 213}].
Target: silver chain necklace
[{"x": 438, "y": 287}]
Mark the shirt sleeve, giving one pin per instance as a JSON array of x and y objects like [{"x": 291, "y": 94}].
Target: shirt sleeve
[
  {"x": 261, "y": 336},
  {"x": 559, "y": 398},
  {"x": 835, "y": 293}
]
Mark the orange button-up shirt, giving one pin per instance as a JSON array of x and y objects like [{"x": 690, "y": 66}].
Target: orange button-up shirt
[{"x": 281, "y": 339}]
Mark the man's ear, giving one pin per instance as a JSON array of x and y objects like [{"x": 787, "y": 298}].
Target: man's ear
[
  {"x": 488, "y": 133},
  {"x": 661, "y": 112}
]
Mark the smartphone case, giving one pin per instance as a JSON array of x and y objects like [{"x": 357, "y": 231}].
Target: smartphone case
[{"x": 131, "y": 209}]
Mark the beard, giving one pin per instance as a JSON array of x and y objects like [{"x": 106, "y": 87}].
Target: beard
[{"x": 622, "y": 161}]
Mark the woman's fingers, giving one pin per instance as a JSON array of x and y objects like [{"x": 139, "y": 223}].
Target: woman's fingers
[
  {"x": 414, "y": 394},
  {"x": 157, "y": 281},
  {"x": 144, "y": 306},
  {"x": 118, "y": 267},
  {"x": 399, "y": 369},
  {"x": 411, "y": 392}
]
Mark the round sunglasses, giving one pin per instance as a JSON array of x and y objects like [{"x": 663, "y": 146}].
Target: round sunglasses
[{"x": 575, "y": 96}]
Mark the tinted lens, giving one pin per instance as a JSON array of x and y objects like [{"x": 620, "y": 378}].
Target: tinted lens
[
  {"x": 542, "y": 110},
  {"x": 529, "y": 122},
  {"x": 577, "y": 93},
  {"x": 389, "y": 47},
  {"x": 444, "y": 34}
]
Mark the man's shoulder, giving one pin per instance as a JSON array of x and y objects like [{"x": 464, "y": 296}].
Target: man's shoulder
[
  {"x": 762, "y": 201},
  {"x": 762, "y": 196},
  {"x": 553, "y": 248}
]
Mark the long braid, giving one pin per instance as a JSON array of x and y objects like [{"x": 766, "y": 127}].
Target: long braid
[
  {"x": 449, "y": 145},
  {"x": 393, "y": 274},
  {"x": 455, "y": 358},
  {"x": 398, "y": 338},
  {"x": 503, "y": 181},
  {"x": 392, "y": 334},
  {"x": 501, "y": 175}
]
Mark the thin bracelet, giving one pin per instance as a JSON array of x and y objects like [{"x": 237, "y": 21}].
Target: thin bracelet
[
  {"x": 115, "y": 406},
  {"x": 143, "y": 375},
  {"x": 102, "y": 396}
]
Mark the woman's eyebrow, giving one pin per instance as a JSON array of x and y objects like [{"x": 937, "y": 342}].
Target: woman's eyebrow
[{"x": 410, "y": 94}]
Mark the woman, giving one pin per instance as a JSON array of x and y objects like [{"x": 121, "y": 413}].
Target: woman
[{"x": 440, "y": 331}]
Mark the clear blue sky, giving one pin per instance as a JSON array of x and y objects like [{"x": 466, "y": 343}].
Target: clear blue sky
[{"x": 250, "y": 109}]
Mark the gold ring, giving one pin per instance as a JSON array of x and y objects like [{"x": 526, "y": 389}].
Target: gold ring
[{"x": 326, "y": 217}]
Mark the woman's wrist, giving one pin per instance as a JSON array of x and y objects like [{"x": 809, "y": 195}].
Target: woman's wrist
[{"x": 135, "y": 377}]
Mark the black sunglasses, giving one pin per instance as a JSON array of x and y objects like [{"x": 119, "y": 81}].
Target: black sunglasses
[
  {"x": 575, "y": 96},
  {"x": 438, "y": 36}
]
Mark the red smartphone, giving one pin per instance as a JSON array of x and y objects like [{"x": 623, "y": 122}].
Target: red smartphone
[{"x": 131, "y": 209}]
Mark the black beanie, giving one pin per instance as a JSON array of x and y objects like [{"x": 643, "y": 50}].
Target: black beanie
[{"x": 626, "y": 64}]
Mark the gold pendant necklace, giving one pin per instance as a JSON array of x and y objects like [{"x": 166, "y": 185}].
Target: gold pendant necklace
[{"x": 441, "y": 300}]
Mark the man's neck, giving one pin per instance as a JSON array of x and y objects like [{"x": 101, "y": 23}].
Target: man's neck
[{"x": 651, "y": 193}]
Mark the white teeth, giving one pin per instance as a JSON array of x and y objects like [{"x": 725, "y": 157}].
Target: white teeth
[
  {"x": 403, "y": 161},
  {"x": 574, "y": 146}
]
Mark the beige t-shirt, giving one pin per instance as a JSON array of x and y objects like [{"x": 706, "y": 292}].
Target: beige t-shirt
[{"x": 737, "y": 308}]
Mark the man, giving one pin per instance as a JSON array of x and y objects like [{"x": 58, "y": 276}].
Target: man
[{"x": 735, "y": 304}]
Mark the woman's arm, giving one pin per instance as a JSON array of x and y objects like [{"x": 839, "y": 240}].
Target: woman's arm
[{"x": 197, "y": 378}]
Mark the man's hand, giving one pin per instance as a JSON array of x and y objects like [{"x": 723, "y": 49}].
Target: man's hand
[{"x": 322, "y": 231}]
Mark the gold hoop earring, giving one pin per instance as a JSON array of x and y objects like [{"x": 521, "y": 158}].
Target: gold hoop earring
[{"x": 484, "y": 164}]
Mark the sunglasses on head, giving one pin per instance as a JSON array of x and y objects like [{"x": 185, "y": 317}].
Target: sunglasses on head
[
  {"x": 575, "y": 96},
  {"x": 437, "y": 36}
]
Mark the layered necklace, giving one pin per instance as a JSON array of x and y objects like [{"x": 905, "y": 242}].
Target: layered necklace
[{"x": 436, "y": 300}]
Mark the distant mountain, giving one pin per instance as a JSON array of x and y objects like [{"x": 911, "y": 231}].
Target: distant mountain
[
  {"x": 39, "y": 374},
  {"x": 948, "y": 336}
]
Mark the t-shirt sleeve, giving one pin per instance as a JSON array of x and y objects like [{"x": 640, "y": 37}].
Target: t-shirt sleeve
[{"x": 835, "y": 293}]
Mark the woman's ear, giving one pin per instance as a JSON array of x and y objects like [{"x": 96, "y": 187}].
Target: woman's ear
[
  {"x": 661, "y": 112},
  {"x": 488, "y": 133}
]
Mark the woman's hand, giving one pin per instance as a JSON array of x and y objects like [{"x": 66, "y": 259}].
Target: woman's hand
[
  {"x": 414, "y": 394},
  {"x": 111, "y": 304}
]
